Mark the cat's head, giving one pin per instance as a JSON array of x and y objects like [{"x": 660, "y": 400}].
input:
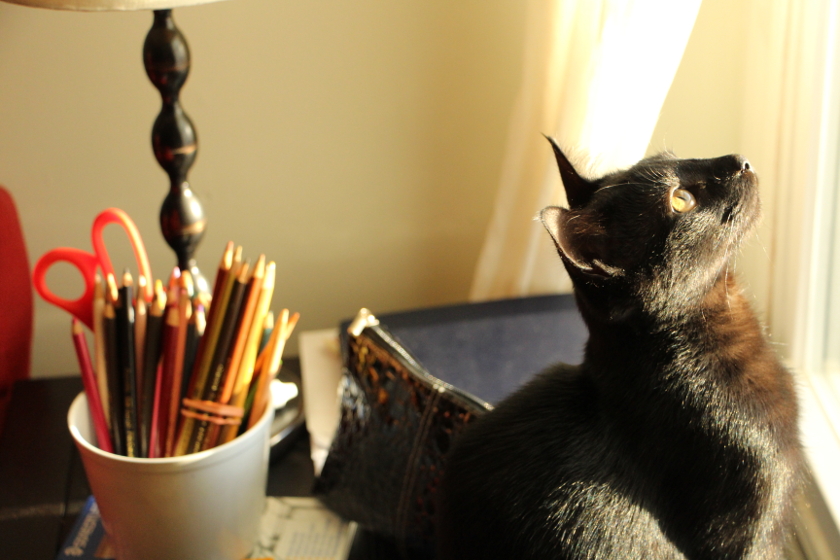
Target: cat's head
[{"x": 654, "y": 237}]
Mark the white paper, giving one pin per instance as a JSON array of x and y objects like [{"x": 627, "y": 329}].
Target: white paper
[
  {"x": 320, "y": 364},
  {"x": 302, "y": 529}
]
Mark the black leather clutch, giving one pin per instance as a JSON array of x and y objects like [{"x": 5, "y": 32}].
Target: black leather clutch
[{"x": 397, "y": 423}]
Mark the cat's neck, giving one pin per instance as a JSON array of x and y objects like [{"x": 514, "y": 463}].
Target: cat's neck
[
  {"x": 715, "y": 363},
  {"x": 721, "y": 327}
]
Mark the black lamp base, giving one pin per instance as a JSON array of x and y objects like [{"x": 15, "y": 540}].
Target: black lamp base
[{"x": 166, "y": 57}]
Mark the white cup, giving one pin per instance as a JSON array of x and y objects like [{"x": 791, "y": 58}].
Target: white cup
[{"x": 203, "y": 506}]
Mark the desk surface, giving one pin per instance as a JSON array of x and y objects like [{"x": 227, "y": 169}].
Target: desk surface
[{"x": 43, "y": 485}]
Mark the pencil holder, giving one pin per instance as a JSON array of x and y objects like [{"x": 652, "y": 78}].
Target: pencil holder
[{"x": 202, "y": 506}]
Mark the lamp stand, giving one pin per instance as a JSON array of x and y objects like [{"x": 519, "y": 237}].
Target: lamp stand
[{"x": 166, "y": 57}]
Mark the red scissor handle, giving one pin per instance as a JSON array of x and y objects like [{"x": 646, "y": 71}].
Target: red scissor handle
[
  {"x": 86, "y": 263},
  {"x": 117, "y": 216}
]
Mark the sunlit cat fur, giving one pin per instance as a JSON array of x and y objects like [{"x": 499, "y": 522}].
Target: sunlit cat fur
[{"x": 676, "y": 438}]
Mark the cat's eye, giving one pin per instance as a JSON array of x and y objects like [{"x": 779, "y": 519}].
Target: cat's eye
[{"x": 682, "y": 201}]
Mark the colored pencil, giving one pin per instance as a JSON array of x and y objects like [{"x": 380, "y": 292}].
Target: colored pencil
[
  {"x": 90, "y": 384},
  {"x": 195, "y": 330},
  {"x": 99, "y": 344},
  {"x": 170, "y": 352},
  {"x": 267, "y": 329},
  {"x": 272, "y": 366},
  {"x": 173, "y": 373},
  {"x": 140, "y": 319},
  {"x": 239, "y": 393},
  {"x": 249, "y": 307},
  {"x": 221, "y": 294},
  {"x": 231, "y": 259},
  {"x": 124, "y": 310},
  {"x": 184, "y": 313},
  {"x": 151, "y": 361},
  {"x": 221, "y": 353},
  {"x": 261, "y": 371},
  {"x": 115, "y": 389},
  {"x": 154, "y": 429}
]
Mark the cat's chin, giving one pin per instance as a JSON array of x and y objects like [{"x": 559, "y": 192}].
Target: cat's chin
[{"x": 744, "y": 212}]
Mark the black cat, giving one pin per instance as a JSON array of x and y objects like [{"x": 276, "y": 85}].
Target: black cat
[{"x": 677, "y": 435}]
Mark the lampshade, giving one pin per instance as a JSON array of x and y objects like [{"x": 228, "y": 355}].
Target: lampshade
[{"x": 108, "y": 5}]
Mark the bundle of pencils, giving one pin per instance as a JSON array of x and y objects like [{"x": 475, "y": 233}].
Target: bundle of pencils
[{"x": 183, "y": 372}]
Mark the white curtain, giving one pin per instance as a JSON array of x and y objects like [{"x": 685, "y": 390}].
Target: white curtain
[
  {"x": 792, "y": 136},
  {"x": 595, "y": 75}
]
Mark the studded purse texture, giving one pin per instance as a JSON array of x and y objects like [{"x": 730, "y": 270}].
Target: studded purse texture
[{"x": 397, "y": 423}]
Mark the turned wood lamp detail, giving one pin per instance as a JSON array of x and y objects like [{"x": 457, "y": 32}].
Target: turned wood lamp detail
[{"x": 166, "y": 57}]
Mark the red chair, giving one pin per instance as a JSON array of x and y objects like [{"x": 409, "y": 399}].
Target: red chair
[{"x": 15, "y": 302}]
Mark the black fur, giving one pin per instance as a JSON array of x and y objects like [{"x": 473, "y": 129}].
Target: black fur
[{"x": 677, "y": 435}]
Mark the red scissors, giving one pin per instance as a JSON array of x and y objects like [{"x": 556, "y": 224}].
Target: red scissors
[{"x": 87, "y": 264}]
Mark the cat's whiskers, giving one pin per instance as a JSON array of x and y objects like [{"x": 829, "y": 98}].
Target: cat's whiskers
[
  {"x": 726, "y": 289},
  {"x": 606, "y": 187},
  {"x": 729, "y": 242},
  {"x": 656, "y": 175},
  {"x": 762, "y": 245}
]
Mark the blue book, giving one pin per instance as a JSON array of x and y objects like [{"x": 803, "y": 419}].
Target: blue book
[{"x": 87, "y": 540}]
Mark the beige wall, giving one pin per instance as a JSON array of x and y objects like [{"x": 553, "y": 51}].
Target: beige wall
[
  {"x": 358, "y": 144},
  {"x": 702, "y": 114}
]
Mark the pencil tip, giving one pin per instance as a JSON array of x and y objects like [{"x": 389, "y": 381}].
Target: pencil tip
[
  {"x": 243, "y": 273},
  {"x": 259, "y": 268},
  {"x": 160, "y": 297},
  {"x": 111, "y": 285},
  {"x": 174, "y": 277},
  {"x": 203, "y": 299},
  {"x": 227, "y": 257},
  {"x": 127, "y": 279},
  {"x": 98, "y": 287},
  {"x": 290, "y": 326},
  {"x": 187, "y": 282},
  {"x": 268, "y": 277}
]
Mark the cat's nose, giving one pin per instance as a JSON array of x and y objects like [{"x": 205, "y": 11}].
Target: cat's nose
[
  {"x": 731, "y": 164},
  {"x": 744, "y": 163}
]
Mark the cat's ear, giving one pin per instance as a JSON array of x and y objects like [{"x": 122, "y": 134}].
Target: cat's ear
[
  {"x": 579, "y": 240},
  {"x": 578, "y": 189}
]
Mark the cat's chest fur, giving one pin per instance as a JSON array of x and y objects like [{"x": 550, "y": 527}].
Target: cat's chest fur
[{"x": 676, "y": 437}]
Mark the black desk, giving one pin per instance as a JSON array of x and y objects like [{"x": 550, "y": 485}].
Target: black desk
[
  {"x": 488, "y": 349},
  {"x": 43, "y": 485}
]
